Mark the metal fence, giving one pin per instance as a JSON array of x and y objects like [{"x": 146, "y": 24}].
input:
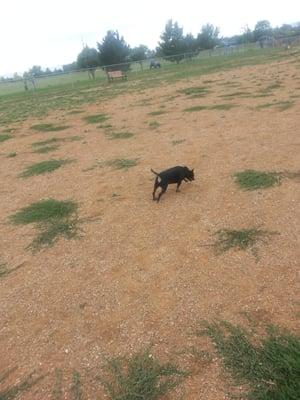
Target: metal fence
[{"x": 75, "y": 77}]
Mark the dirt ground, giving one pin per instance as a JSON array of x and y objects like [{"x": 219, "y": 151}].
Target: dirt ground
[{"x": 143, "y": 273}]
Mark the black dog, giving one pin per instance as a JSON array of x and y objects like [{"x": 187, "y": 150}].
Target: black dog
[{"x": 172, "y": 175}]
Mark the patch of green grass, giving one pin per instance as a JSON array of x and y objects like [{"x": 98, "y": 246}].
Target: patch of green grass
[
  {"x": 11, "y": 155},
  {"x": 268, "y": 368},
  {"x": 4, "y": 137},
  {"x": 153, "y": 124},
  {"x": 15, "y": 391},
  {"x": 253, "y": 180},
  {"x": 212, "y": 107},
  {"x": 158, "y": 112},
  {"x": 122, "y": 163},
  {"x": 72, "y": 112},
  {"x": 235, "y": 94},
  {"x": 5, "y": 271},
  {"x": 57, "y": 392},
  {"x": 46, "y": 149},
  {"x": 56, "y": 140},
  {"x": 140, "y": 377},
  {"x": 179, "y": 141},
  {"x": 43, "y": 167},
  {"x": 280, "y": 105},
  {"x": 242, "y": 239},
  {"x": 49, "y": 127},
  {"x": 95, "y": 119},
  {"x": 195, "y": 91},
  {"x": 54, "y": 219},
  {"x": 76, "y": 389},
  {"x": 44, "y": 211},
  {"x": 104, "y": 126},
  {"x": 119, "y": 135}
]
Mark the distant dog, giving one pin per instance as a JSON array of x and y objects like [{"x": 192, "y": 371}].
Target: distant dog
[{"x": 172, "y": 175}]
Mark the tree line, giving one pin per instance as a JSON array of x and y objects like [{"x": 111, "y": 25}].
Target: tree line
[{"x": 173, "y": 45}]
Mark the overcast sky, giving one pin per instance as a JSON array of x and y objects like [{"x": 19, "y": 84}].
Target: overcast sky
[{"x": 51, "y": 33}]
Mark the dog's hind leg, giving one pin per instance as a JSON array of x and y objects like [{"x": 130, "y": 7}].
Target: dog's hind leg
[
  {"x": 154, "y": 189},
  {"x": 163, "y": 189}
]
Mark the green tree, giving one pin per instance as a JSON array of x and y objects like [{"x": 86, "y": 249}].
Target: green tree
[
  {"x": 262, "y": 29},
  {"x": 139, "y": 54},
  {"x": 113, "y": 49},
  {"x": 35, "y": 71},
  {"x": 247, "y": 35},
  {"x": 88, "y": 58},
  {"x": 208, "y": 38},
  {"x": 172, "y": 44},
  {"x": 190, "y": 43}
]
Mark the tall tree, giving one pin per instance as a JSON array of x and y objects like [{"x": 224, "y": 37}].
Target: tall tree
[
  {"x": 172, "y": 44},
  {"x": 88, "y": 58},
  {"x": 139, "y": 54},
  {"x": 113, "y": 49},
  {"x": 262, "y": 29},
  {"x": 208, "y": 38}
]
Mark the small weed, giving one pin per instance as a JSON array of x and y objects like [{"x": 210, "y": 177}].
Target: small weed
[
  {"x": 140, "y": 377},
  {"x": 175, "y": 142},
  {"x": 240, "y": 239},
  {"x": 4, "y": 271},
  {"x": 196, "y": 108},
  {"x": 122, "y": 163},
  {"x": 269, "y": 368},
  {"x": 15, "y": 391},
  {"x": 252, "y": 180},
  {"x": 195, "y": 91},
  {"x": 57, "y": 392},
  {"x": 153, "y": 124},
  {"x": 213, "y": 107},
  {"x": 53, "y": 218},
  {"x": 4, "y": 137},
  {"x": 43, "y": 167},
  {"x": 158, "y": 112},
  {"x": 76, "y": 386},
  {"x": 104, "y": 126},
  {"x": 49, "y": 127},
  {"x": 280, "y": 105},
  {"x": 119, "y": 135},
  {"x": 11, "y": 155},
  {"x": 95, "y": 119},
  {"x": 46, "y": 149}
]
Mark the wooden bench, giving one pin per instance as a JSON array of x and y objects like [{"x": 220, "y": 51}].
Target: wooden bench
[{"x": 111, "y": 75}]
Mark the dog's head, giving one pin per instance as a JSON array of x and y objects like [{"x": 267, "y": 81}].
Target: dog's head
[{"x": 189, "y": 174}]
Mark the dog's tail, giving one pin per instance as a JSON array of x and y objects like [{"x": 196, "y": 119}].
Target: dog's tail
[{"x": 154, "y": 172}]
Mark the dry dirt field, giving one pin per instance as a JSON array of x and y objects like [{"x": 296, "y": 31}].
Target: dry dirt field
[{"x": 142, "y": 273}]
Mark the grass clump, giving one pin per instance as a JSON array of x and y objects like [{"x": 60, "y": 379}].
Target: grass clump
[
  {"x": 153, "y": 124},
  {"x": 95, "y": 119},
  {"x": 54, "y": 218},
  {"x": 213, "y": 107},
  {"x": 140, "y": 377},
  {"x": 179, "y": 141},
  {"x": 252, "y": 180},
  {"x": 43, "y": 167},
  {"x": 269, "y": 368},
  {"x": 119, "y": 135},
  {"x": 280, "y": 105},
  {"x": 11, "y": 155},
  {"x": 46, "y": 149},
  {"x": 49, "y": 127},
  {"x": 195, "y": 91},
  {"x": 4, "y": 137},
  {"x": 158, "y": 112},
  {"x": 122, "y": 163},
  {"x": 240, "y": 239}
]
